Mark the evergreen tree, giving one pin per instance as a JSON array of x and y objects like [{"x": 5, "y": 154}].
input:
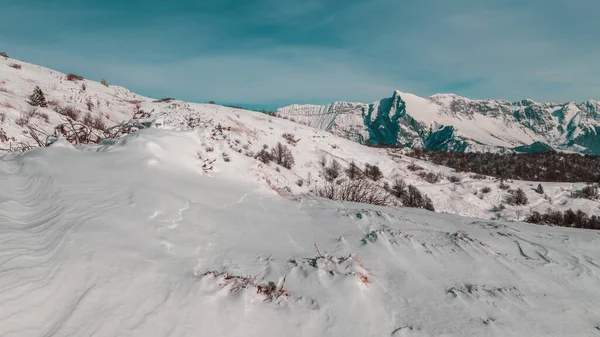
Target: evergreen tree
[
  {"x": 539, "y": 189},
  {"x": 38, "y": 98}
]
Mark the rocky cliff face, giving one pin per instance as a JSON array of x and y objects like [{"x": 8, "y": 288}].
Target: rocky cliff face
[{"x": 451, "y": 122}]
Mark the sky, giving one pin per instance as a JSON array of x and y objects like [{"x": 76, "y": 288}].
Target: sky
[{"x": 270, "y": 53}]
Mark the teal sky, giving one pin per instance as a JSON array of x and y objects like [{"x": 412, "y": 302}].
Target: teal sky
[{"x": 268, "y": 53}]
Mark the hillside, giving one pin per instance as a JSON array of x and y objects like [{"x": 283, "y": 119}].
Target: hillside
[
  {"x": 176, "y": 228},
  {"x": 228, "y": 132},
  {"x": 136, "y": 238},
  {"x": 451, "y": 122}
]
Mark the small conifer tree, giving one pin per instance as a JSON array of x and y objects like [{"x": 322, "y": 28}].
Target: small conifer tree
[{"x": 38, "y": 98}]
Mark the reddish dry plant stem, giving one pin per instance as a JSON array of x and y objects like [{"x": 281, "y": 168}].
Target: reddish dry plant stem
[{"x": 318, "y": 252}]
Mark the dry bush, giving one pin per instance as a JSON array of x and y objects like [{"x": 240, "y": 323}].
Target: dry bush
[
  {"x": 589, "y": 192},
  {"x": 411, "y": 196},
  {"x": 322, "y": 161},
  {"x": 44, "y": 116},
  {"x": 289, "y": 137},
  {"x": 430, "y": 177},
  {"x": 567, "y": 218},
  {"x": 104, "y": 83},
  {"x": 164, "y": 100},
  {"x": 15, "y": 66},
  {"x": 503, "y": 185},
  {"x": 3, "y": 54},
  {"x": 361, "y": 190},
  {"x": 354, "y": 172},
  {"x": 517, "y": 197},
  {"x": 478, "y": 176},
  {"x": 333, "y": 171},
  {"x": 282, "y": 155},
  {"x": 373, "y": 172},
  {"x": 300, "y": 182},
  {"x": 68, "y": 111},
  {"x": 98, "y": 123},
  {"x": 486, "y": 190},
  {"x": 26, "y": 116},
  {"x": 74, "y": 78},
  {"x": 454, "y": 179},
  {"x": 414, "y": 167},
  {"x": 264, "y": 155}
]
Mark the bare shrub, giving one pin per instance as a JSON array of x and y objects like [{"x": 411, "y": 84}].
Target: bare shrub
[
  {"x": 87, "y": 119},
  {"x": 430, "y": 177},
  {"x": 69, "y": 111},
  {"x": 454, "y": 179},
  {"x": 26, "y": 116},
  {"x": 44, "y": 116},
  {"x": 333, "y": 171},
  {"x": 360, "y": 190},
  {"x": 165, "y": 100},
  {"x": 414, "y": 167},
  {"x": 98, "y": 123},
  {"x": 498, "y": 208},
  {"x": 104, "y": 83},
  {"x": 89, "y": 104},
  {"x": 300, "y": 182},
  {"x": 354, "y": 172},
  {"x": 74, "y": 78},
  {"x": 322, "y": 161},
  {"x": 289, "y": 137},
  {"x": 2, "y": 117},
  {"x": 264, "y": 155},
  {"x": 411, "y": 196},
  {"x": 486, "y": 190},
  {"x": 282, "y": 155},
  {"x": 517, "y": 197},
  {"x": 373, "y": 172},
  {"x": 503, "y": 185},
  {"x": 567, "y": 218},
  {"x": 588, "y": 192},
  {"x": 3, "y": 54},
  {"x": 15, "y": 66}
]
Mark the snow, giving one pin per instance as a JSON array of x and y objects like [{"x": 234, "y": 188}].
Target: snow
[
  {"x": 250, "y": 130},
  {"x": 130, "y": 237},
  {"x": 487, "y": 125},
  {"x": 115, "y": 239}
]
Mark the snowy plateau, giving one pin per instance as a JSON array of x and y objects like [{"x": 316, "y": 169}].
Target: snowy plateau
[
  {"x": 451, "y": 122},
  {"x": 177, "y": 230}
]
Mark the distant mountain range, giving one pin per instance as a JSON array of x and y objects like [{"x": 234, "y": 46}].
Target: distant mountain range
[{"x": 452, "y": 122}]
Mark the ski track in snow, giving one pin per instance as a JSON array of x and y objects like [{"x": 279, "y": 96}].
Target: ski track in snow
[{"x": 101, "y": 244}]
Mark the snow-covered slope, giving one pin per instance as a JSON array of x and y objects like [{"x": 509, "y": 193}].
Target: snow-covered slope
[
  {"x": 451, "y": 122},
  {"x": 246, "y": 132},
  {"x": 134, "y": 238}
]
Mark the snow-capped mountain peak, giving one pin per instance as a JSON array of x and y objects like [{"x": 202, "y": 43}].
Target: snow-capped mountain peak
[{"x": 452, "y": 122}]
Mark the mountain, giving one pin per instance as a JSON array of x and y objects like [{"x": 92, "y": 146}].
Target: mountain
[
  {"x": 451, "y": 122},
  {"x": 175, "y": 228},
  {"x": 228, "y": 132}
]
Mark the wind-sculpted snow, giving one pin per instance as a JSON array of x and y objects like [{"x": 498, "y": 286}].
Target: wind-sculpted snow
[{"x": 135, "y": 239}]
